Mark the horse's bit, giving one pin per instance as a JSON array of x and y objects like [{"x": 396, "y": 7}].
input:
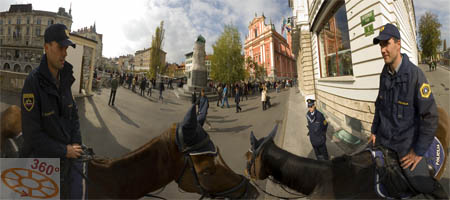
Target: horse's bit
[{"x": 188, "y": 161}]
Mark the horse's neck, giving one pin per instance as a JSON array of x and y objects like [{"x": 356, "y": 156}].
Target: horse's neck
[
  {"x": 144, "y": 170},
  {"x": 298, "y": 173}
]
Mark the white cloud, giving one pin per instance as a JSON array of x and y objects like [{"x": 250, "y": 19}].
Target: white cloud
[{"x": 128, "y": 27}]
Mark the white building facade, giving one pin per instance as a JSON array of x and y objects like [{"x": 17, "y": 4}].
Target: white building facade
[{"x": 346, "y": 65}]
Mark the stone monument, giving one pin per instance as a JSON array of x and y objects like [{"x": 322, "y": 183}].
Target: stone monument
[{"x": 197, "y": 76}]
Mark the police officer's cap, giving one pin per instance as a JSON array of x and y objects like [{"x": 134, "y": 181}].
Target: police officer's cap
[
  {"x": 387, "y": 32},
  {"x": 310, "y": 102},
  {"x": 57, "y": 33}
]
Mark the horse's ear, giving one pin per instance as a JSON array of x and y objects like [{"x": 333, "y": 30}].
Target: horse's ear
[
  {"x": 253, "y": 140},
  {"x": 273, "y": 132},
  {"x": 190, "y": 119}
]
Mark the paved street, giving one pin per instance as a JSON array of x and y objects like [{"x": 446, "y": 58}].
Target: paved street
[
  {"x": 440, "y": 84},
  {"x": 135, "y": 120}
]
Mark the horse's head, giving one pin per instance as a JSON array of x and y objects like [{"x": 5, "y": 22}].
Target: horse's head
[
  {"x": 255, "y": 168},
  {"x": 204, "y": 170},
  {"x": 11, "y": 122}
]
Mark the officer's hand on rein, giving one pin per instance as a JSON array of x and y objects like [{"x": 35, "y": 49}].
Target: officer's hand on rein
[
  {"x": 372, "y": 138},
  {"x": 410, "y": 159},
  {"x": 73, "y": 151}
]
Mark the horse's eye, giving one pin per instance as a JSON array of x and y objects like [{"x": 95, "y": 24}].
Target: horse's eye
[{"x": 206, "y": 172}]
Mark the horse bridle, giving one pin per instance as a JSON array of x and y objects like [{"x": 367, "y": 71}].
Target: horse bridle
[
  {"x": 255, "y": 153},
  {"x": 188, "y": 161}
]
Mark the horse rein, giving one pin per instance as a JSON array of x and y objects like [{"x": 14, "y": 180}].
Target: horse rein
[{"x": 188, "y": 161}]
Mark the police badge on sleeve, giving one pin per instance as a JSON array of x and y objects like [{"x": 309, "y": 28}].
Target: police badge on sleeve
[
  {"x": 425, "y": 90},
  {"x": 28, "y": 101}
]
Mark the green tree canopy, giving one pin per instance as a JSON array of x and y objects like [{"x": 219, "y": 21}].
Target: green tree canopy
[
  {"x": 156, "y": 51},
  {"x": 227, "y": 63},
  {"x": 429, "y": 33}
]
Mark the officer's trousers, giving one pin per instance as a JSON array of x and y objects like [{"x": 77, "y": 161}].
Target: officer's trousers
[{"x": 321, "y": 152}]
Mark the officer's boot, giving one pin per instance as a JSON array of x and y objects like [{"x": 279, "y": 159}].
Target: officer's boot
[{"x": 438, "y": 192}]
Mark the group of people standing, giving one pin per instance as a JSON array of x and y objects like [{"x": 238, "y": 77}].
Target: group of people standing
[{"x": 133, "y": 81}]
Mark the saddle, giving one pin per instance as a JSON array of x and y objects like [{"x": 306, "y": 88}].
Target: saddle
[{"x": 390, "y": 182}]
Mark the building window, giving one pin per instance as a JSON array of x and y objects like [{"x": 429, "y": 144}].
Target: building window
[
  {"x": 28, "y": 20},
  {"x": 1, "y": 21},
  {"x": 334, "y": 47},
  {"x": 38, "y": 31},
  {"x": 28, "y": 30},
  {"x": 9, "y": 30},
  {"x": 256, "y": 32},
  {"x": 50, "y": 21},
  {"x": 38, "y": 21},
  {"x": 19, "y": 20},
  {"x": 1, "y": 30},
  {"x": 9, "y": 21}
]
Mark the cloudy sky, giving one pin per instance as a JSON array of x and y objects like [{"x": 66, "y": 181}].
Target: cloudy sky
[
  {"x": 441, "y": 8},
  {"x": 127, "y": 27}
]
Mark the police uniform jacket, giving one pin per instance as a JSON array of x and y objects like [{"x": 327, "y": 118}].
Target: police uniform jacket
[
  {"x": 317, "y": 126},
  {"x": 405, "y": 111},
  {"x": 49, "y": 114}
]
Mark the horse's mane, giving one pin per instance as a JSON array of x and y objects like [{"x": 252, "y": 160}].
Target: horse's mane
[{"x": 298, "y": 173}]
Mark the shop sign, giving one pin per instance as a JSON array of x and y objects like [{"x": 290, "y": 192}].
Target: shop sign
[{"x": 367, "y": 18}]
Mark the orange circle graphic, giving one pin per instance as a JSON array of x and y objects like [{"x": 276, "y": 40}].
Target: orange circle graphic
[{"x": 29, "y": 189}]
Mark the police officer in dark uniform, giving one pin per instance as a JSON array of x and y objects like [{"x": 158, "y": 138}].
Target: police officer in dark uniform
[
  {"x": 50, "y": 123},
  {"x": 405, "y": 113},
  {"x": 317, "y": 126}
]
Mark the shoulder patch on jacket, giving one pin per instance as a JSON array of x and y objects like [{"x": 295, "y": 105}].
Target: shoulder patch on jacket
[
  {"x": 425, "y": 90},
  {"x": 28, "y": 101}
]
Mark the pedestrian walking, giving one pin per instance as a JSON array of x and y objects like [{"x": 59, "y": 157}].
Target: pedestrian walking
[
  {"x": 203, "y": 106},
  {"x": 114, "y": 86},
  {"x": 317, "y": 129},
  {"x": 245, "y": 92},
  {"x": 133, "y": 85},
  {"x": 406, "y": 116},
  {"x": 237, "y": 99},
  {"x": 161, "y": 89},
  {"x": 263, "y": 97},
  {"x": 142, "y": 86},
  {"x": 219, "y": 94},
  {"x": 225, "y": 96},
  {"x": 149, "y": 85},
  {"x": 194, "y": 96}
]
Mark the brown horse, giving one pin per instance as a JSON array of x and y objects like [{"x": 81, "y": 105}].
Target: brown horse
[
  {"x": 153, "y": 166},
  {"x": 10, "y": 123},
  {"x": 345, "y": 177}
]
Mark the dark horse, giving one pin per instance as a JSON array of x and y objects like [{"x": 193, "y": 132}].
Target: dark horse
[
  {"x": 345, "y": 177},
  {"x": 151, "y": 167}
]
